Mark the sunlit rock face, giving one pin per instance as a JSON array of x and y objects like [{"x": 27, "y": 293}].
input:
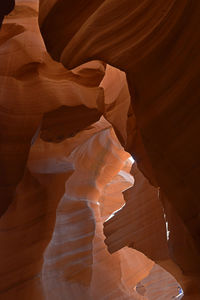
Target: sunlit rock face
[
  {"x": 59, "y": 158},
  {"x": 36, "y": 92},
  {"x": 159, "y": 284},
  {"x": 98, "y": 83},
  {"x": 148, "y": 41},
  {"x": 142, "y": 224},
  {"x": 157, "y": 45}
]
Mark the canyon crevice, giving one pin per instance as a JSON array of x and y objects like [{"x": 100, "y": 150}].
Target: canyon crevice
[{"x": 99, "y": 150}]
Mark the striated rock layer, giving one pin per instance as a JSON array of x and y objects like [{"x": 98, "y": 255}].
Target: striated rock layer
[
  {"x": 162, "y": 80},
  {"x": 142, "y": 225},
  {"x": 75, "y": 264},
  {"x": 157, "y": 44},
  {"x": 64, "y": 171},
  {"x": 36, "y": 92},
  {"x": 54, "y": 179}
]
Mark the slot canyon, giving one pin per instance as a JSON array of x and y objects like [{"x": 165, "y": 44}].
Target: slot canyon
[{"x": 99, "y": 150}]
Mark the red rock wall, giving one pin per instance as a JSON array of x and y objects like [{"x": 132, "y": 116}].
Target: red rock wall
[
  {"x": 157, "y": 45},
  {"x": 51, "y": 228},
  {"x": 63, "y": 166}
]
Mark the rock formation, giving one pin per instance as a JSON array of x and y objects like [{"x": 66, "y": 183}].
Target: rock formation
[
  {"x": 99, "y": 82},
  {"x": 49, "y": 252},
  {"x": 157, "y": 45}
]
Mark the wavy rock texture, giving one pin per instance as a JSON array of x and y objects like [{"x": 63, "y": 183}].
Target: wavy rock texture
[
  {"x": 54, "y": 179},
  {"x": 76, "y": 261},
  {"x": 153, "y": 43},
  {"x": 75, "y": 264},
  {"x": 63, "y": 171},
  {"x": 159, "y": 284},
  {"x": 37, "y": 91},
  {"x": 142, "y": 225},
  {"x": 158, "y": 46}
]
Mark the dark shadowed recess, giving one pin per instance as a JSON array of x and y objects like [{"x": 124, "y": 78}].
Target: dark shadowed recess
[
  {"x": 63, "y": 28},
  {"x": 66, "y": 121},
  {"x": 6, "y": 6}
]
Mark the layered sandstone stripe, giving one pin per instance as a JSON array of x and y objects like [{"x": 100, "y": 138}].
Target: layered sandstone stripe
[{"x": 157, "y": 44}]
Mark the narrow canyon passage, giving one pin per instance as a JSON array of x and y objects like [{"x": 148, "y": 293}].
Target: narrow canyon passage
[{"x": 99, "y": 155}]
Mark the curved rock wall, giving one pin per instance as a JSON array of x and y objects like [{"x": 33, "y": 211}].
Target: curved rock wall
[
  {"x": 157, "y": 45},
  {"x": 52, "y": 177},
  {"x": 63, "y": 166}
]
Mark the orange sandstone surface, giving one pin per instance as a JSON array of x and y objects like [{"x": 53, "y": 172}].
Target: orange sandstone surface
[{"x": 86, "y": 86}]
